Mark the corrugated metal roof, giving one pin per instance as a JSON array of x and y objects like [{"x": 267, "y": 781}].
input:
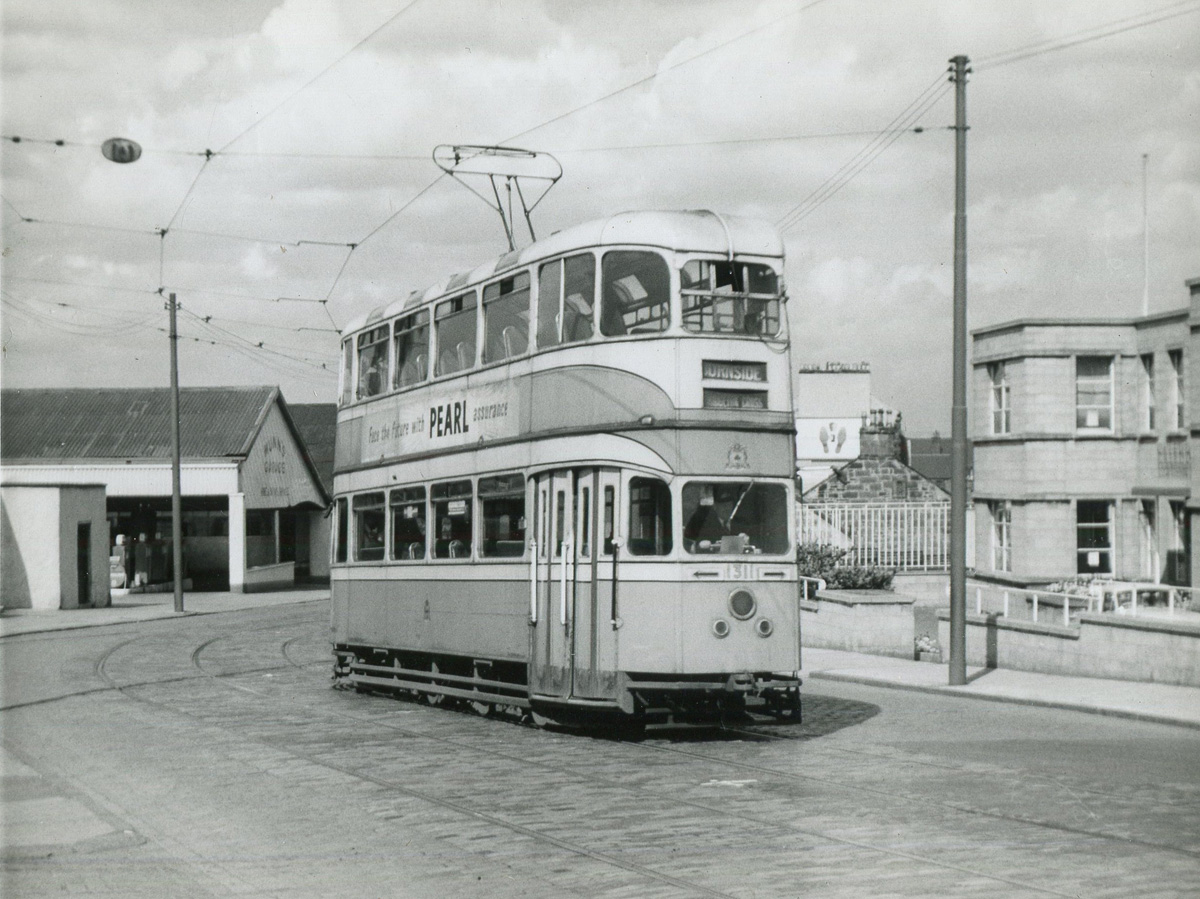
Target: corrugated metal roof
[{"x": 130, "y": 423}]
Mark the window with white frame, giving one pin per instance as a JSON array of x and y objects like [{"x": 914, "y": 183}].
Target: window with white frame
[
  {"x": 1177, "y": 556},
  {"x": 998, "y": 402},
  {"x": 1094, "y": 533},
  {"x": 1001, "y": 535},
  {"x": 1094, "y": 393},
  {"x": 1146, "y": 389},
  {"x": 1177, "y": 388},
  {"x": 1148, "y": 528}
]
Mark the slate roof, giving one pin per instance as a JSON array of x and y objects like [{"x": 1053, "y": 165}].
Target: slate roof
[
  {"x": 130, "y": 423},
  {"x": 317, "y": 424}
]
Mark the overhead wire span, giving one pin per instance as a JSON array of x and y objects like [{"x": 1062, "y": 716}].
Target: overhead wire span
[
  {"x": 783, "y": 138},
  {"x": 81, "y": 286},
  {"x": 573, "y": 111},
  {"x": 392, "y": 18},
  {"x": 902, "y": 123},
  {"x": 257, "y": 324},
  {"x": 256, "y": 344},
  {"x": 87, "y": 145},
  {"x": 297, "y": 368},
  {"x": 1087, "y": 35},
  {"x": 653, "y": 75}
]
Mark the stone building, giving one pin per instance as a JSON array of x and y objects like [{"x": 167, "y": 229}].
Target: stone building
[
  {"x": 1083, "y": 432},
  {"x": 879, "y": 473}
]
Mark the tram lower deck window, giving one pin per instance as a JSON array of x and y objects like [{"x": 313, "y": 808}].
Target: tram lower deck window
[
  {"x": 649, "y": 517},
  {"x": 408, "y": 523},
  {"x": 369, "y": 520},
  {"x": 341, "y": 538},
  {"x": 502, "y": 502},
  {"x": 734, "y": 517},
  {"x": 452, "y": 518}
]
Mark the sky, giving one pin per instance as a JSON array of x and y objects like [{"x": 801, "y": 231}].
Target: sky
[{"x": 286, "y": 183}]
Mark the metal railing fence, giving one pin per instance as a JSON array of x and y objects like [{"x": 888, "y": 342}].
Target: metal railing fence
[
  {"x": 1062, "y": 606},
  {"x": 903, "y": 536}
]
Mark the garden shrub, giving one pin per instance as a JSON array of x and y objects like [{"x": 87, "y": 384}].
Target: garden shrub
[{"x": 822, "y": 560}]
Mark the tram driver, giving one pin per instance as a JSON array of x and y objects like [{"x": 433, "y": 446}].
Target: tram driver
[{"x": 709, "y": 529}]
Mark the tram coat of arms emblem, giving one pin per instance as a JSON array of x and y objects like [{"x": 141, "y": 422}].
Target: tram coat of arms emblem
[{"x": 738, "y": 459}]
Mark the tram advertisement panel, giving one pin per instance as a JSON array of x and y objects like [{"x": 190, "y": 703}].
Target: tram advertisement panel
[{"x": 409, "y": 424}]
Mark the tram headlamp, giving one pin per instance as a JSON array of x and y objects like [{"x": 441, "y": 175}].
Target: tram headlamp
[
  {"x": 764, "y": 627},
  {"x": 720, "y": 628},
  {"x": 742, "y": 604}
]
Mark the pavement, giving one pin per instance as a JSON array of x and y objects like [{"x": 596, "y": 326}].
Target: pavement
[{"x": 1163, "y": 703}]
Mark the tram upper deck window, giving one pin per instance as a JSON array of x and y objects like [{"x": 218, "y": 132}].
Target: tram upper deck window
[
  {"x": 635, "y": 293},
  {"x": 411, "y": 345},
  {"x": 506, "y": 318},
  {"x": 452, "y": 517},
  {"x": 502, "y": 500},
  {"x": 566, "y": 300},
  {"x": 455, "y": 333},
  {"x": 347, "y": 371},
  {"x": 734, "y": 517},
  {"x": 369, "y": 519},
  {"x": 722, "y": 297},
  {"x": 649, "y": 517},
  {"x": 408, "y": 523},
  {"x": 372, "y": 362}
]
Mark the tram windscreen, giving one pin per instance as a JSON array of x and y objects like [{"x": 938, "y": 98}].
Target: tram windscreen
[
  {"x": 723, "y": 297},
  {"x": 734, "y": 517}
]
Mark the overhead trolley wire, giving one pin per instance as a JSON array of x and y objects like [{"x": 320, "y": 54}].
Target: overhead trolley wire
[
  {"x": 570, "y": 112},
  {"x": 902, "y": 123},
  {"x": 1087, "y": 35},
  {"x": 733, "y": 40},
  {"x": 392, "y": 18}
]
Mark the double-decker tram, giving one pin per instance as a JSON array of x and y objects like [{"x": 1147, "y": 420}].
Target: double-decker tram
[{"x": 564, "y": 480}]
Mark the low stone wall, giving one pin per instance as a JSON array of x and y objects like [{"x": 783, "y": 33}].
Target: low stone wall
[
  {"x": 871, "y": 621},
  {"x": 1157, "y": 650},
  {"x": 930, "y": 588}
]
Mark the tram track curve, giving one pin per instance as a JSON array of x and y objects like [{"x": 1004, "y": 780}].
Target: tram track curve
[
  {"x": 708, "y": 808},
  {"x": 202, "y": 664}
]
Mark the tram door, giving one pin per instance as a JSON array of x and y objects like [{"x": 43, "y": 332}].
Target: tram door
[{"x": 572, "y": 643}]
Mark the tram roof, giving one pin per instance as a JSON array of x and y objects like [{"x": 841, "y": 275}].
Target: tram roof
[{"x": 694, "y": 230}]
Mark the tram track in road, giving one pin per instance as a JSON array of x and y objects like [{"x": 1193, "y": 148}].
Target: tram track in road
[
  {"x": 223, "y": 680},
  {"x": 951, "y": 768},
  {"x": 285, "y": 648},
  {"x": 388, "y": 783}
]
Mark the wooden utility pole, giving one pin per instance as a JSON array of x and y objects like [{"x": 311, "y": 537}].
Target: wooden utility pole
[
  {"x": 958, "y": 423},
  {"x": 176, "y": 501}
]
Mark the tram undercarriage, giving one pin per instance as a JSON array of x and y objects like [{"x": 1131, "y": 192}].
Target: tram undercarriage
[{"x": 487, "y": 686}]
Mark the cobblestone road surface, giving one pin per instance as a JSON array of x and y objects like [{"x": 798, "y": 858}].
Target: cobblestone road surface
[{"x": 210, "y": 757}]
